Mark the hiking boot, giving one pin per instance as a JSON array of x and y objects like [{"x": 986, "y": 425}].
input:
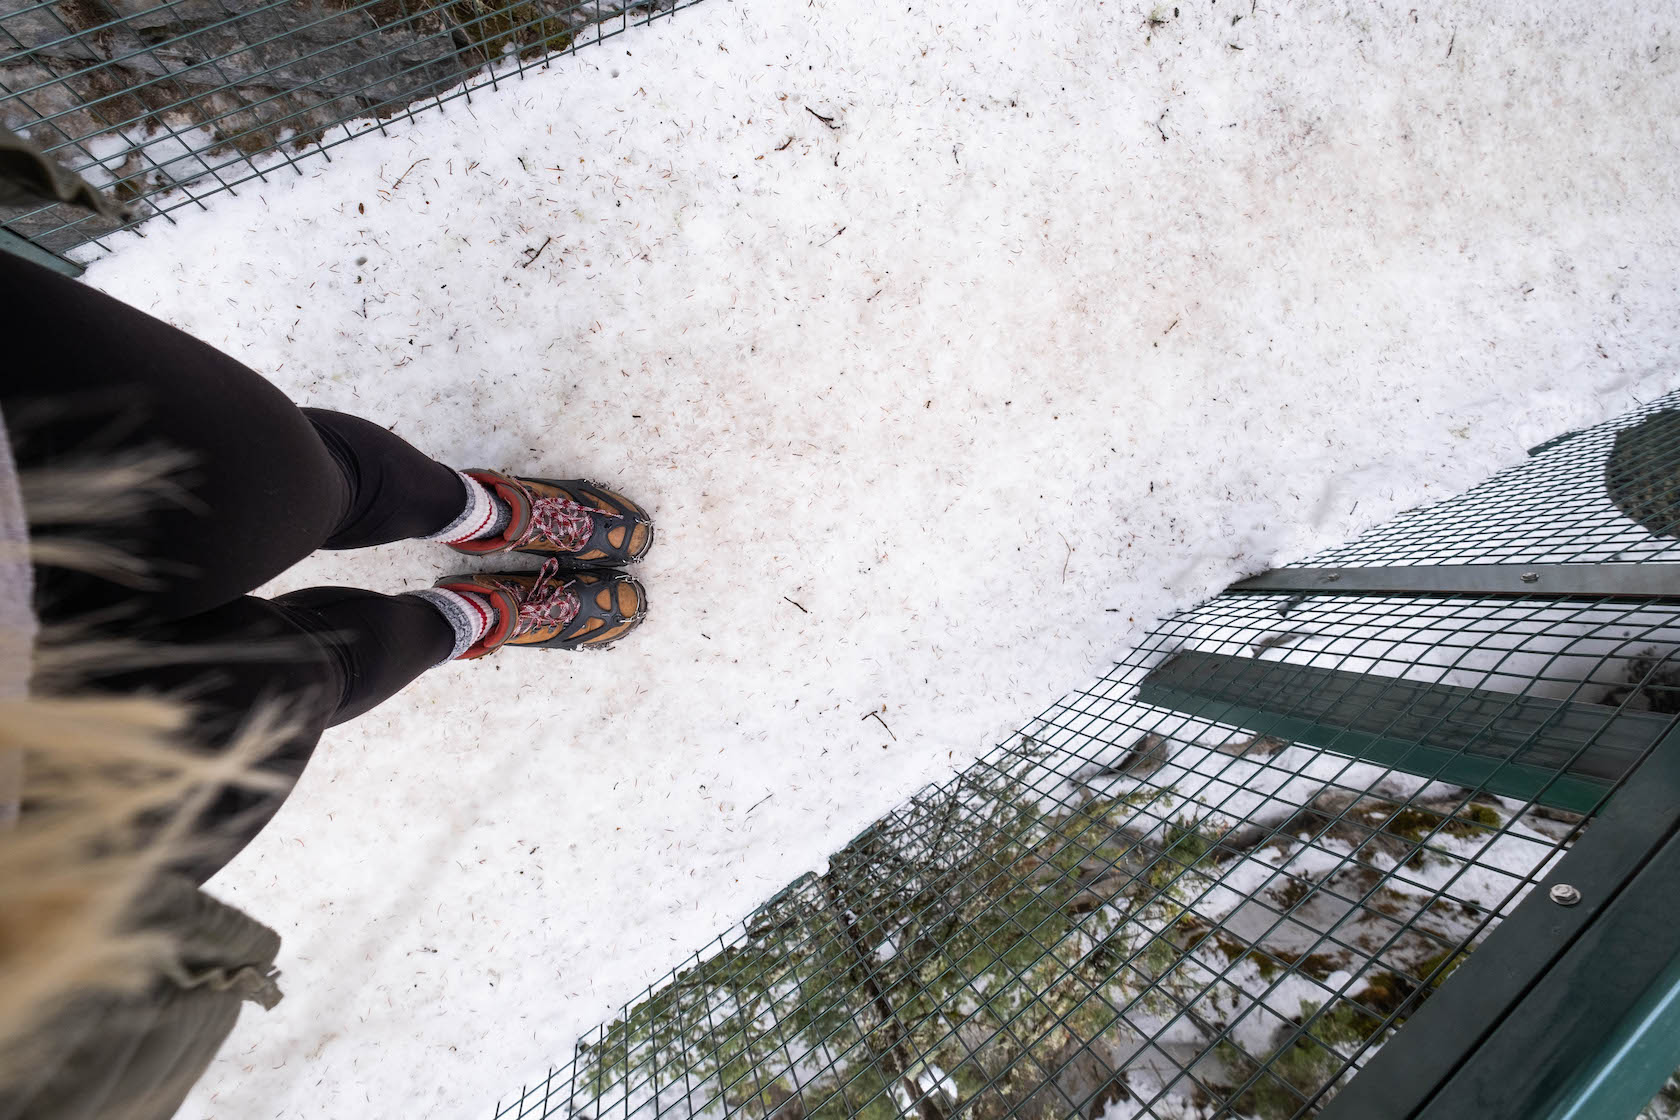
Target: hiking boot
[
  {"x": 573, "y": 521},
  {"x": 553, "y": 609}
]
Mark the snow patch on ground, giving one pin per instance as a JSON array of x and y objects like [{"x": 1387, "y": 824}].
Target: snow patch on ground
[{"x": 1064, "y": 323}]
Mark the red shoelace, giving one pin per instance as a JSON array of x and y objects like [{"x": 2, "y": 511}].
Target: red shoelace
[
  {"x": 548, "y": 601},
  {"x": 565, "y": 524}
]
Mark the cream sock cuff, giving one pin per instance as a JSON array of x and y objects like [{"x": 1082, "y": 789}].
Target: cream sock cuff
[
  {"x": 468, "y": 615},
  {"x": 484, "y": 515}
]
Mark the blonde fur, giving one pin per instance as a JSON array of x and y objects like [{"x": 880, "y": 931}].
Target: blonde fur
[{"x": 110, "y": 789}]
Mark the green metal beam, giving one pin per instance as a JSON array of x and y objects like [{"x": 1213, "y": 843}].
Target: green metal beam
[
  {"x": 1637, "y": 1057},
  {"x": 1528, "y": 581},
  {"x": 1594, "y": 1036},
  {"x": 1564, "y": 754},
  {"x": 1559, "y": 1000},
  {"x": 29, "y": 251}
]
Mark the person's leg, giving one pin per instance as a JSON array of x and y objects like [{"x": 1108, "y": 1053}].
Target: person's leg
[
  {"x": 322, "y": 655},
  {"x": 93, "y": 383},
  {"x": 394, "y": 492},
  {"x": 325, "y": 655}
]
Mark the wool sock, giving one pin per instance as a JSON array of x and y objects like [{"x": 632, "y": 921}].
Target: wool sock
[
  {"x": 469, "y": 615},
  {"x": 484, "y": 516}
]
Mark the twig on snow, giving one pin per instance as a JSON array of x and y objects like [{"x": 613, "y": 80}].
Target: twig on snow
[
  {"x": 829, "y": 121},
  {"x": 411, "y": 167},
  {"x": 536, "y": 254},
  {"x": 882, "y": 722}
]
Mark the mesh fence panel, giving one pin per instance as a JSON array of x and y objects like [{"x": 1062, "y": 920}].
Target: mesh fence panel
[
  {"x": 166, "y": 102},
  {"x": 1212, "y": 883},
  {"x": 1606, "y": 494}
]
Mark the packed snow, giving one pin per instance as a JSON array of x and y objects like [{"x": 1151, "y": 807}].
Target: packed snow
[{"x": 1061, "y": 320}]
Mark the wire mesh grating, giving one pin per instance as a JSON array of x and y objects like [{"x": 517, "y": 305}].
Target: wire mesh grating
[
  {"x": 166, "y": 102},
  {"x": 1216, "y": 881},
  {"x": 1606, "y": 494}
]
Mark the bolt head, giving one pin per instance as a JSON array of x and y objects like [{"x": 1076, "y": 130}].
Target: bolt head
[
  {"x": 1565, "y": 895},
  {"x": 1531, "y": 577}
]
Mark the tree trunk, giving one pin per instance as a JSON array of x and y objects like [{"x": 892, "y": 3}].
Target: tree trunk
[{"x": 893, "y": 1054}]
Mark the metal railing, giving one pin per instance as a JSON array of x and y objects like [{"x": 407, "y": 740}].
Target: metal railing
[
  {"x": 1230, "y": 877},
  {"x": 166, "y": 103}
]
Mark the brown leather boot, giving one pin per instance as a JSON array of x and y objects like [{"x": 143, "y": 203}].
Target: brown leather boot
[
  {"x": 551, "y": 609},
  {"x": 573, "y": 521}
]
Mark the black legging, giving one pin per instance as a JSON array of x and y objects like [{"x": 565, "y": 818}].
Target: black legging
[{"x": 87, "y": 378}]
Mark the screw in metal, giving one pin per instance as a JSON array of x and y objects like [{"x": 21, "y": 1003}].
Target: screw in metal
[
  {"x": 1332, "y": 577},
  {"x": 1565, "y": 895},
  {"x": 1531, "y": 577}
]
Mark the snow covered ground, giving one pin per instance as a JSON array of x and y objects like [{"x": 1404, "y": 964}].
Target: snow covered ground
[{"x": 1070, "y": 317}]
